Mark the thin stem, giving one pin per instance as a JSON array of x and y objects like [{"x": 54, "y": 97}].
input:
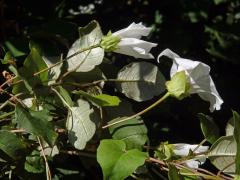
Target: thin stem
[
  {"x": 6, "y": 114},
  {"x": 18, "y": 131},
  {"x": 63, "y": 100},
  {"x": 141, "y": 112},
  {"x": 201, "y": 143},
  {"x": 99, "y": 81},
  {"x": 179, "y": 166},
  {"x": 49, "y": 176}
]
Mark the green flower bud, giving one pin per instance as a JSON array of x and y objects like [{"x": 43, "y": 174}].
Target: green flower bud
[
  {"x": 110, "y": 42},
  {"x": 178, "y": 86}
]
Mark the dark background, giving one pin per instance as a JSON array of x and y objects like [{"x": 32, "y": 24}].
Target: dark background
[{"x": 206, "y": 30}]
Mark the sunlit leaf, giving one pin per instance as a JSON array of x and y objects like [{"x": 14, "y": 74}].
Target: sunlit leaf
[
  {"x": 222, "y": 154},
  {"x": 209, "y": 128},
  {"x": 81, "y": 124},
  {"x": 101, "y": 99},
  {"x": 113, "y": 157},
  {"x": 143, "y": 81},
  {"x": 86, "y": 61}
]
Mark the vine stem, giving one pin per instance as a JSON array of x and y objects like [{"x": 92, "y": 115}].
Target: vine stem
[
  {"x": 48, "y": 172},
  {"x": 141, "y": 112},
  {"x": 192, "y": 171},
  {"x": 46, "y": 69}
]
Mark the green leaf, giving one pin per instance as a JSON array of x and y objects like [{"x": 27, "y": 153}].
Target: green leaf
[
  {"x": 143, "y": 81},
  {"x": 86, "y": 61},
  {"x": 108, "y": 100},
  {"x": 81, "y": 124},
  {"x": 33, "y": 64},
  {"x": 236, "y": 133},
  {"x": 17, "y": 46},
  {"x": 66, "y": 96},
  {"x": 178, "y": 86},
  {"x": 34, "y": 163},
  {"x": 173, "y": 173},
  {"x": 100, "y": 100},
  {"x": 50, "y": 54},
  {"x": 133, "y": 132},
  {"x": 222, "y": 154},
  {"x": 8, "y": 59},
  {"x": 209, "y": 128},
  {"x": 36, "y": 122},
  {"x": 116, "y": 162},
  {"x": 12, "y": 145}
]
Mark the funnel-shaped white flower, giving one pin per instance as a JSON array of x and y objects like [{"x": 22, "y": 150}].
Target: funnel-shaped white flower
[
  {"x": 130, "y": 43},
  {"x": 200, "y": 80},
  {"x": 183, "y": 150}
]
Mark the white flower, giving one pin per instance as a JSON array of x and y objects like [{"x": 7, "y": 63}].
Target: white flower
[
  {"x": 130, "y": 43},
  {"x": 200, "y": 80},
  {"x": 183, "y": 150}
]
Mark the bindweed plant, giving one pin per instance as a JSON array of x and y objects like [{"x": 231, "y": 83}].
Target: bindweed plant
[{"x": 59, "y": 104}]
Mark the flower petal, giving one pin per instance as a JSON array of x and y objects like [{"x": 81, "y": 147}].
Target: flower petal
[
  {"x": 200, "y": 80},
  {"x": 182, "y": 149},
  {"x": 135, "y": 47},
  {"x": 133, "y": 31}
]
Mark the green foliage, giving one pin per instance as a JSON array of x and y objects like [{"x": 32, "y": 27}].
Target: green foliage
[
  {"x": 81, "y": 124},
  {"x": 173, "y": 173},
  {"x": 90, "y": 35},
  {"x": 113, "y": 156},
  {"x": 34, "y": 163},
  {"x": 36, "y": 122},
  {"x": 132, "y": 132},
  {"x": 141, "y": 81},
  {"x": 222, "y": 154},
  {"x": 12, "y": 145},
  {"x": 65, "y": 89},
  {"x": 101, "y": 99},
  {"x": 209, "y": 128}
]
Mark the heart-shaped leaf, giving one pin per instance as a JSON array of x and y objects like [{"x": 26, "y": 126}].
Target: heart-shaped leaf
[
  {"x": 133, "y": 132},
  {"x": 90, "y": 35},
  {"x": 222, "y": 154},
  {"x": 81, "y": 124},
  {"x": 113, "y": 157},
  {"x": 143, "y": 81}
]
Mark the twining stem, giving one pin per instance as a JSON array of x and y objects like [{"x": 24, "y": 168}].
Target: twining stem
[
  {"x": 46, "y": 69},
  {"x": 191, "y": 171},
  {"x": 99, "y": 81},
  {"x": 48, "y": 172},
  {"x": 200, "y": 144},
  {"x": 141, "y": 112}
]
